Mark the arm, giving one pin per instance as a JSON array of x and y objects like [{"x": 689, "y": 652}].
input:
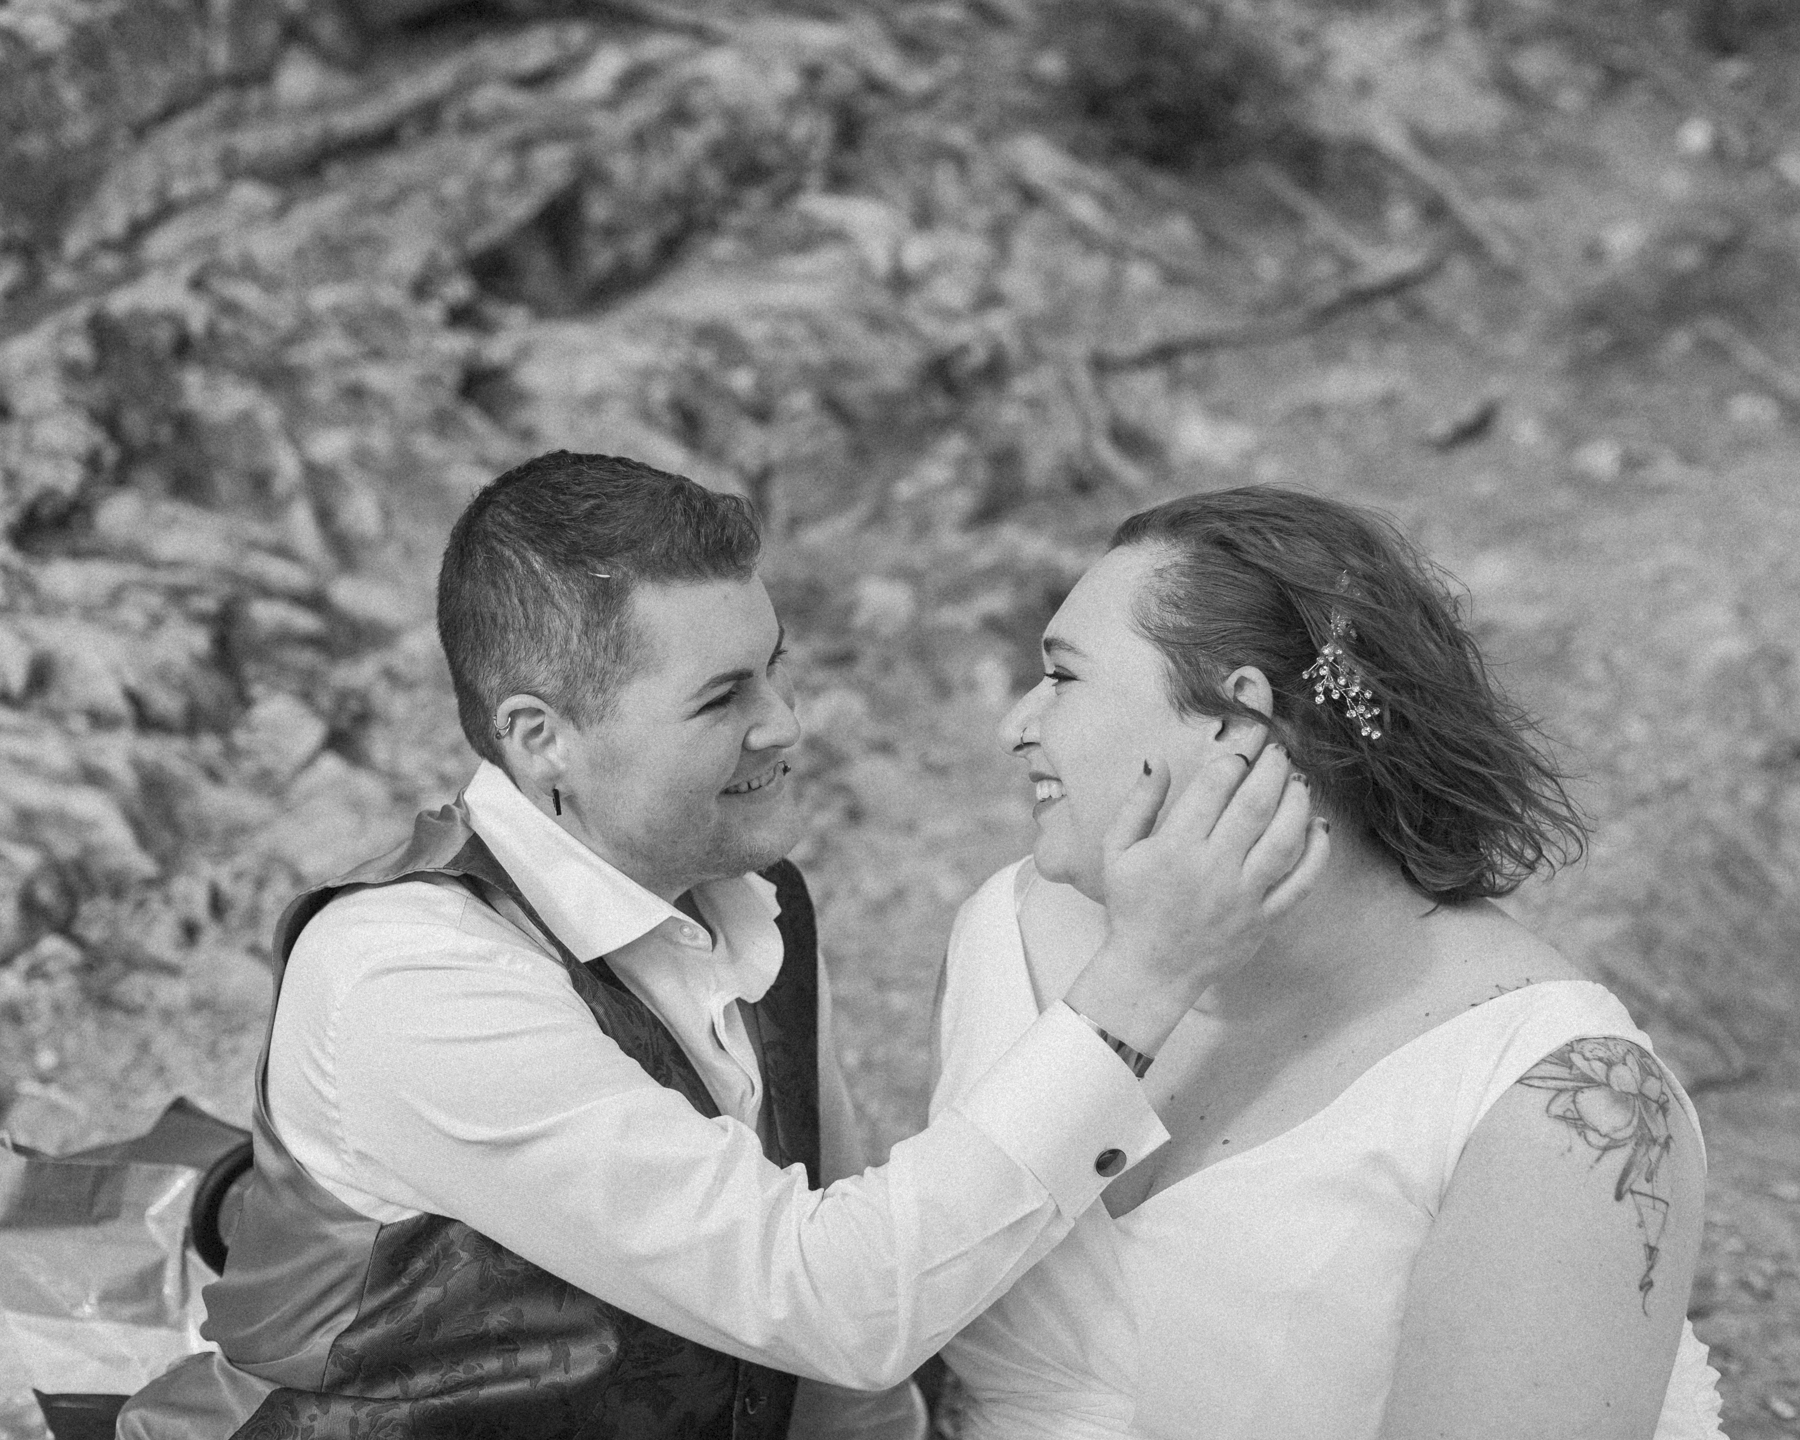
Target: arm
[
  {"x": 471, "y": 1082},
  {"x": 468, "y": 1081},
  {"x": 830, "y": 1412},
  {"x": 1549, "y": 1298}
]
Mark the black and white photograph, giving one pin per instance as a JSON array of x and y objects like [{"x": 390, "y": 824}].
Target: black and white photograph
[{"x": 899, "y": 719}]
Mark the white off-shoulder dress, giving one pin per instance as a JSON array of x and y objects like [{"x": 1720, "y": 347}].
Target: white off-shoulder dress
[{"x": 1259, "y": 1298}]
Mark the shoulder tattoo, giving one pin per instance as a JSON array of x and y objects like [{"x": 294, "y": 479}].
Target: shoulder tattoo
[{"x": 1614, "y": 1095}]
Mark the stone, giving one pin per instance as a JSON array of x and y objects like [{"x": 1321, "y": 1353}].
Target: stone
[
  {"x": 160, "y": 673},
  {"x": 341, "y": 814},
  {"x": 279, "y": 735},
  {"x": 265, "y": 621},
  {"x": 76, "y": 80},
  {"x": 1198, "y": 437},
  {"x": 1602, "y": 461},
  {"x": 1751, "y": 410},
  {"x": 19, "y": 865},
  {"x": 884, "y": 606},
  {"x": 375, "y": 605},
  {"x": 80, "y": 825},
  {"x": 84, "y": 670},
  {"x": 169, "y": 532},
  {"x": 16, "y": 654}
]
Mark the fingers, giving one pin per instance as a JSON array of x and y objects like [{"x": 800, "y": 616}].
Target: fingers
[
  {"x": 1276, "y": 849},
  {"x": 1190, "y": 817},
  {"x": 1298, "y": 882},
  {"x": 1137, "y": 814},
  {"x": 1252, "y": 806}
]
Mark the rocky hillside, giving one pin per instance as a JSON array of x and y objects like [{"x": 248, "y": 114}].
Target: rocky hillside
[{"x": 948, "y": 289}]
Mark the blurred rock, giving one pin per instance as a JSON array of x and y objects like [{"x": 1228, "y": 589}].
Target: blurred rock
[
  {"x": 33, "y": 897},
  {"x": 1752, "y": 411},
  {"x": 1210, "y": 441},
  {"x": 79, "y": 825},
  {"x": 1697, "y": 137},
  {"x": 77, "y": 80},
  {"x": 15, "y": 664},
  {"x": 883, "y": 606},
  {"x": 376, "y": 606},
  {"x": 45, "y": 1118},
  {"x": 339, "y": 816},
  {"x": 279, "y": 735},
  {"x": 264, "y": 622},
  {"x": 1601, "y": 461}
]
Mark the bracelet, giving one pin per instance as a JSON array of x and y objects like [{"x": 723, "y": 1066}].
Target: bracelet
[{"x": 1136, "y": 1059}]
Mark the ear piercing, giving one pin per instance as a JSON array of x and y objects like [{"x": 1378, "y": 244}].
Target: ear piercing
[{"x": 556, "y": 799}]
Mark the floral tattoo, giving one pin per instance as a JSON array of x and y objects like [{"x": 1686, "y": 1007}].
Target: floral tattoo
[{"x": 1613, "y": 1095}]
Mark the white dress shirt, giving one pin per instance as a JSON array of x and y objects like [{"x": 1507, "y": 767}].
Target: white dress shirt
[{"x": 428, "y": 1055}]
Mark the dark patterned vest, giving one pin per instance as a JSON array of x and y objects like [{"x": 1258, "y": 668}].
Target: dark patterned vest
[{"x": 333, "y": 1326}]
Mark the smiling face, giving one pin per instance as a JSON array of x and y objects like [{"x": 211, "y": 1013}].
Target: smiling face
[
  {"x": 683, "y": 780},
  {"x": 1100, "y": 711}
]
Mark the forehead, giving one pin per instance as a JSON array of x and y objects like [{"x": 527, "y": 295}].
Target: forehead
[
  {"x": 692, "y": 630},
  {"x": 1102, "y": 599}
]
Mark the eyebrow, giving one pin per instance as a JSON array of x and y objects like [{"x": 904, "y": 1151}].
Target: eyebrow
[
  {"x": 1056, "y": 645},
  {"x": 731, "y": 677}
]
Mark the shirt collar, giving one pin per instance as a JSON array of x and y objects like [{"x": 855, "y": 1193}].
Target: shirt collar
[{"x": 593, "y": 907}]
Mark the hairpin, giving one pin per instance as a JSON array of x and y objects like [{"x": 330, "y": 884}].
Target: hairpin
[{"x": 1334, "y": 674}]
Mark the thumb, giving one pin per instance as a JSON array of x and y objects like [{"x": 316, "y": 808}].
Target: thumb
[{"x": 1136, "y": 815}]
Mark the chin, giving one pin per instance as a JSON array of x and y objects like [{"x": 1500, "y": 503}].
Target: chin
[
  {"x": 762, "y": 847},
  {"x": 1053, "y": 862}
]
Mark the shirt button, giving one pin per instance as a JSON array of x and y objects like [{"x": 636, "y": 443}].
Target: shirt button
[{"x": 1109, "y": 1163}]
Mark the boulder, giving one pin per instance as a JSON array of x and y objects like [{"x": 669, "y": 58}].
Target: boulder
[
  {"x": 81, "y": 826},
  {"x": 78, "y": 79}
]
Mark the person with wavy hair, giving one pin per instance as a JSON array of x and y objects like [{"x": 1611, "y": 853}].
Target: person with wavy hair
[{"x": 1424, "y": 1178}]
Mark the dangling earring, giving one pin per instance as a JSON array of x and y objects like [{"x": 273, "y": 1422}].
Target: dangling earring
[{"x": 556, "y": 799}]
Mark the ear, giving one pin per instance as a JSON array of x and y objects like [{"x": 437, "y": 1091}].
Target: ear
[
  {"x": 1250, "y": 688},
  {"x": 531, "y": 734}
]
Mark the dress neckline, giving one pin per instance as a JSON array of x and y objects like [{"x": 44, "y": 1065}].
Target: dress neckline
[{"x": 1435, "y": 1031}]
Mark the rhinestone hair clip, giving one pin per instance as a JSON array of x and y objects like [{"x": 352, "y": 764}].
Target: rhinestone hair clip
[{"x": 1334, "y": 674}]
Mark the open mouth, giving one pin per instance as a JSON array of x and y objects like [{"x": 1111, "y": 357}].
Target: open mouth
[
  {"x": 760, "y": 781},
  {"x": 1047, "y": 786}
]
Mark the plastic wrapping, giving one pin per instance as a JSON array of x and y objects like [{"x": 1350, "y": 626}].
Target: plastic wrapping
[{"x": 99, "y": 1272}]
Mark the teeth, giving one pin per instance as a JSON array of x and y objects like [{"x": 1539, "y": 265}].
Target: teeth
[
  {"x": 1049, "y": 790},
  {"x": 757, "y": 782}
]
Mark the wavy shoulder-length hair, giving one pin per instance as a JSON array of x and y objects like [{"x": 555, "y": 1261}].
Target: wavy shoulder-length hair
[{"x": 1452, "y": 779}]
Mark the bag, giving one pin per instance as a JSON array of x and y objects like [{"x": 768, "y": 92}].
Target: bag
[{"x": 102, "y": 1255}]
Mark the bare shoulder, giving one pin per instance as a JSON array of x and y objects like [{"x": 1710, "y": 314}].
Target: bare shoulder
[
  {"x": 1598, "y": 1121},
  {"x": 1486, "y": 953}
]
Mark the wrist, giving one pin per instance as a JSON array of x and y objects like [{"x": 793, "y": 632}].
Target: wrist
[
  {"x": 1134, "y": 1003},
  {"x": 1138, "y": 1062}
]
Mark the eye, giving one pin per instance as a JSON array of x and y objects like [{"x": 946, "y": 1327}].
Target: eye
[
  {"x": 720, "y": 701},
  {"x": 1057, "y": 676},
  {"x": 779, "y": 655}
]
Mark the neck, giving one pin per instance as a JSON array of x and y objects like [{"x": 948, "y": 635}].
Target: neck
[{"x": 1356, "y": 939}]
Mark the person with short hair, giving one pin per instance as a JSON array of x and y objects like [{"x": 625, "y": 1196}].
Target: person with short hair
[
  {"x": 550, "y": 1136},
  {"x": 1424, "y": 1178}
]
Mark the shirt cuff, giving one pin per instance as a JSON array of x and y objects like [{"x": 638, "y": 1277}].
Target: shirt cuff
[{"x": 1068, "y": 1109}]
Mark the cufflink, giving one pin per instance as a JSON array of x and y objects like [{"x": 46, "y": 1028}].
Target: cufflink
[{"x": 1109, "y": 1163}]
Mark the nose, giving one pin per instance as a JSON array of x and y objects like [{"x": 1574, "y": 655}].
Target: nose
[
  {"x": 1020, "y": 725},
  {"x": 776, "y": 727}
]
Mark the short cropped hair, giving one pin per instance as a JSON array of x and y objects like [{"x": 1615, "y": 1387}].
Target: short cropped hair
[
  {"x": 535, "y": 587},
  {"x": 1454, "y": 786}
]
